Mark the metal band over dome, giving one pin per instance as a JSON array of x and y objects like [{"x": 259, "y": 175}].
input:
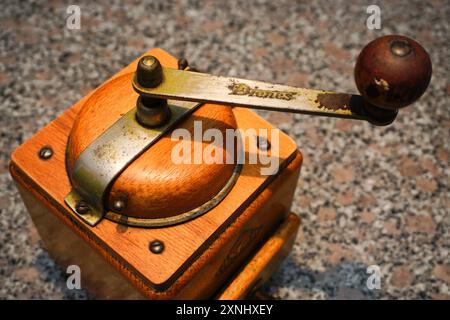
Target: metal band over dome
[{"x": 105, "y": 158}]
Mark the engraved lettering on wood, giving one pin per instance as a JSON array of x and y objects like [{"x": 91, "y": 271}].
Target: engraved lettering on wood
[{"x": 243, "y": 241}]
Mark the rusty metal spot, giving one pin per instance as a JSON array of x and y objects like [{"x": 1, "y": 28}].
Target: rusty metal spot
[{"x": 333, "y": 101}]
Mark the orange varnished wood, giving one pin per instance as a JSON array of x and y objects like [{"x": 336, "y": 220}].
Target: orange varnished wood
[
  {"x": 263, "y": 263},
  {"x": 103, "y": 281},
  {"x": 203, "y": 277},
  {"x": 98, "y": 276},
  {"x": 192, "y": 247}
]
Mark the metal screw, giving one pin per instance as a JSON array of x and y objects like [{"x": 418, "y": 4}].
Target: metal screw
[
  {"x": 182, "y": 64},
  {"x": 46, "y": 153},
  {"x": 156, "y": 246},
  {"x": 400, "y": 48},
  {"x": 82, "y": 207},
  {"x": 263, "y": 143},
  {"x": 119, "y": 204}
]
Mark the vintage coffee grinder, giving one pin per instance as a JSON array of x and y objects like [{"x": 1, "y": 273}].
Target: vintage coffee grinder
[{"x": 105, "y": 194}]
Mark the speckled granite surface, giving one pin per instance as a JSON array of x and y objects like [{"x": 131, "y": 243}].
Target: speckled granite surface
[{"x": 366, "y": 195}]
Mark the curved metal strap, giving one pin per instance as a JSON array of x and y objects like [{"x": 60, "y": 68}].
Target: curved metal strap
[{"x": 107, "y": 156}]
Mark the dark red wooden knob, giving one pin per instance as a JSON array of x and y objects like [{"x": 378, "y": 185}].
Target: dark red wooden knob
[{"x": 392, "y": 72}]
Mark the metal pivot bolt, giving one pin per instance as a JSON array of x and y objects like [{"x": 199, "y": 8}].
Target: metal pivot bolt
[
  {"x": 150, "y": 112},
  {"x": 149, "y": 72}
]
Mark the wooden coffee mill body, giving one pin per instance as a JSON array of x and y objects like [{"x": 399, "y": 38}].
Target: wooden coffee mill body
[{"x": 184, "y": 231}]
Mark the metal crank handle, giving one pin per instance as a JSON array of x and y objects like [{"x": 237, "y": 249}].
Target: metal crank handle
[{"x": 391, "y": 72}]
